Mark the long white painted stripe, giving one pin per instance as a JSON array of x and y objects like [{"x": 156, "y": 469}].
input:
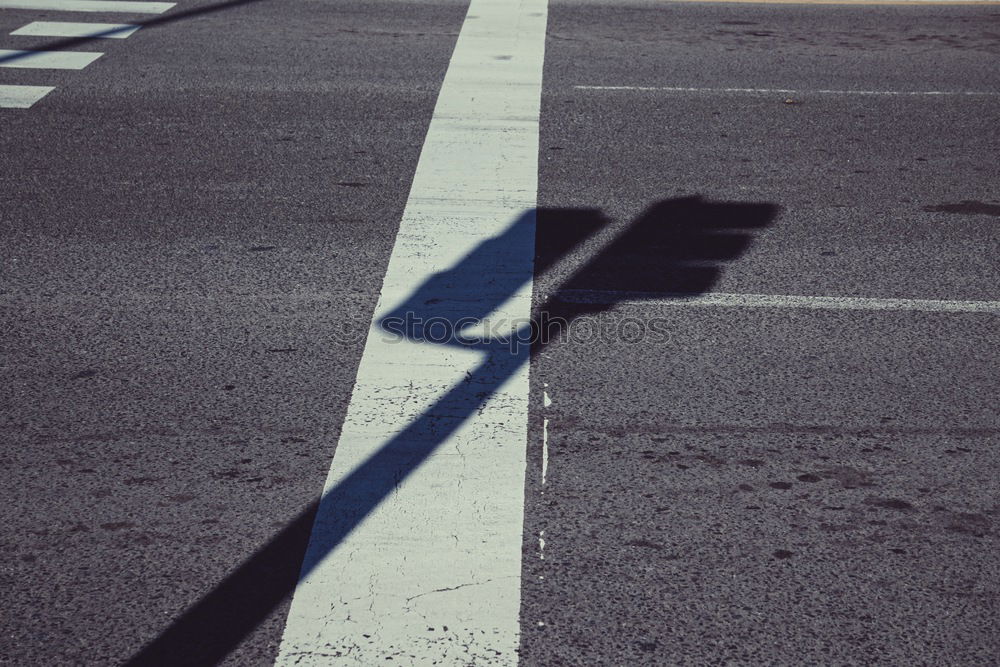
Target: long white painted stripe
[
  {"x": 22, "y": 97},
  {"x": 67, "y": 29},
  {"x": 103, "y": 6},
  {"x": 776, "y": 301},
  {"x": 416, "y": 549},
  {"x": 851, "y": 2},
  {"x": 790, "y": 91},
  {"x": 47, "y": 59}
]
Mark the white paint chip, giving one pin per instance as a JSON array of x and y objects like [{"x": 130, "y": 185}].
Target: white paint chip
[
  {"x": 22, "y": 97},
  {"x": 101, "y": 6},
  {"x": 47, "y": 59},
  {"x": 415, "y": 553},
  {"x": 68, "y": 29}
]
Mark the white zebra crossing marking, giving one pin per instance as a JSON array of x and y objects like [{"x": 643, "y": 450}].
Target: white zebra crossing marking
[
  {"x": 22, "y": 97},
  {"x": 104, "y": 6},
  {"x": 68, "y": 29},
  {"x": 47, "y": 59}
]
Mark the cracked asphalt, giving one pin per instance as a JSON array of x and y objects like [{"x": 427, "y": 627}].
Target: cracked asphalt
[{"x": 195, "y": 229}]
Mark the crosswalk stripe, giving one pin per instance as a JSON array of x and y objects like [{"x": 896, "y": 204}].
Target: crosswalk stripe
[
  {"x": 22, "y": 97},
  {"x": 415, "y": 553},
  {"x": 68, "y": 29},
  {"x": 47, "y": 59},
  {"x": 104, "y": 6}
]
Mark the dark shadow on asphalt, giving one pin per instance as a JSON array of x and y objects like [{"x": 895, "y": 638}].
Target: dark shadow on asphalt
[
  {"x": 677, "y": 246},
  {"x": 170, "y": 17}
]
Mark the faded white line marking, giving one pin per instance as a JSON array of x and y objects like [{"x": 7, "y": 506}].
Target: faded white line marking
[
  {"x": 22, "y": 97},
  {"x": 855, "y": 3},
  {"x": 791, "y": 91},
  {"x": 622, "y": 299},
  {"x": 541, "y": 545},
  {"x": 433, "y": 572},
  {"x": 103, "y": 6},
  {"x": 47, "y": 59},
  {"x": 546, "y": 402},
  {"x": 69, "y": 29},
  {"x": 545, "y": 450}
]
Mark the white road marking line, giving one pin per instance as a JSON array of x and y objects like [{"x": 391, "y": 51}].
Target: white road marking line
[
  {"x": 546, "y": 402},
  {"x": 790, "y": 91},
  {"x": 851, "y": 2},
  {"x": 776, "y": 301},
  {"x": 22, "y": 97},
  {"x": 855, "y": 3},
  {"x": 433, "y": 571},
  {"x": 103, "y": 6},
  {"x": 47, "y": 59},
  {"x": 545, "y": 450},
  {"x": 67, "y": 29}
]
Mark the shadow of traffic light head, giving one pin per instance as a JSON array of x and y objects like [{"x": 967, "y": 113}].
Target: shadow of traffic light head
[{"x": 675, "y": 248}]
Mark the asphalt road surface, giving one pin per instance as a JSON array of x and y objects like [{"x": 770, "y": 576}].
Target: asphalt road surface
[{"x": 766, "y": 430}]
